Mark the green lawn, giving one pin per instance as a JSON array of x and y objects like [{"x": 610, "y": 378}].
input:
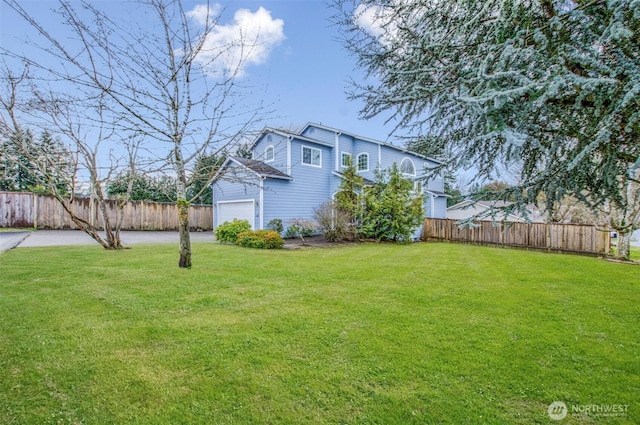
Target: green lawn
[{"x": 371, "y": 334}]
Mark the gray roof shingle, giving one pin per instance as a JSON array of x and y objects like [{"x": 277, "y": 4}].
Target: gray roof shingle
[{"x": 260, "y": 168}]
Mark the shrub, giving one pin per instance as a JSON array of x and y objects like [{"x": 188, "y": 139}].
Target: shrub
[
  {"x": 276, "y": 225},
  {"x": 229, "y": 230},
  {"x": 300, "y": 228},
  {"x": 333, "y": 222},
  {"x": 264, "y": 239}
]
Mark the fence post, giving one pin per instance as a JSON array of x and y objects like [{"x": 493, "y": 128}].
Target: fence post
[{"x": 35, "y": 211}]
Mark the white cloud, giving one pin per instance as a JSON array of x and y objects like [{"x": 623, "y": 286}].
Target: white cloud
[
  {"x": 368, "y": 18},
  {"x": 376, "y": 21},
  {"x": 201, "y": 13},
  {"x": 248, "y": 40}
]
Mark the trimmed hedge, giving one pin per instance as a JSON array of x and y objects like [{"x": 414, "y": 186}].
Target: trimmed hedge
[
  {"x": 263, "y": 239},
  {"x": 229, "y": 230}
]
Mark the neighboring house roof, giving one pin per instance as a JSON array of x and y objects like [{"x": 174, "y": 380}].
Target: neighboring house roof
[
  {"x": 483, "y": 210},
  {"x": 258, "y": 167},
  {"x": 485, "y": 204}
]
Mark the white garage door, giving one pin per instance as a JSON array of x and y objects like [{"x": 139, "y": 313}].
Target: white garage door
[{"x": 242, "y": 210}]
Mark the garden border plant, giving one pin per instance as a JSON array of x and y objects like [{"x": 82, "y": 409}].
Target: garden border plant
[
  {"x": 262, "y": 239},
  {"x": 229, "y": 230}
]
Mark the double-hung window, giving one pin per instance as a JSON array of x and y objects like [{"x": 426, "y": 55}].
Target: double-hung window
[
  {"x": 346, "y": 159},
  {"x": 311, "y": 156}
]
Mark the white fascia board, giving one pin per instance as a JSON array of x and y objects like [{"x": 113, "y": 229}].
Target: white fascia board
[{"x": 367, "y": 139}]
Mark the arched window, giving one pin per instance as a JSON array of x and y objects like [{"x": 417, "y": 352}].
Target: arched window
[
  {"x": 363, "y": 162},
  {"x": 407, "y": 168},
  {"x": 268, "y": 154}
]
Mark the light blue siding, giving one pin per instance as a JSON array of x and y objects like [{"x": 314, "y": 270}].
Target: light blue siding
[
  {"x": 345, "y": 144},
  {"x": 362, "y": 147},
  {"x": 279, "y": 143},
  {"x": 282, "y": 200},
  {"x": 321, "y": 134},
  {"x": 310, "y": 187},
  {"x": 440, "y": 208}
]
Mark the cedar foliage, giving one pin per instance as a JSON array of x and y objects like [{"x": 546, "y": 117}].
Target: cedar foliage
[{"x": 550, "y": 85}]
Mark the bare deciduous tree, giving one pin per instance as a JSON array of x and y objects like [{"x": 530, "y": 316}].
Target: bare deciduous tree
[
  {"x": 159, "y": 78},
  {"x": 57, "y": 170}
]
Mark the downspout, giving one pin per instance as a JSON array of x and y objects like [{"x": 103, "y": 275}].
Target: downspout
[
  {"x": 433, "y": 206},
  {"x": 337, "y": 150},
  {"x": 213, "y": 205},
  {"x": 261, "y": 206},
  {"x": 289, "y": 155}
]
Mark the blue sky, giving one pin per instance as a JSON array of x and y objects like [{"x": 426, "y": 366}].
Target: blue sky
[{"x": 304, "y": 74}]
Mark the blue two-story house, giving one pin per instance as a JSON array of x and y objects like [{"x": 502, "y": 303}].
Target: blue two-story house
[{"x": 291, "y": 174}]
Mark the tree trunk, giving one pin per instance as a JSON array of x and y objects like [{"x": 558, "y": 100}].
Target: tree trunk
[
  {"x": 82, "y": 224},
  {"x": 624, "y": 246},
  {"x": 185, "y": 237},
  {"x": 113, "y": 238}
]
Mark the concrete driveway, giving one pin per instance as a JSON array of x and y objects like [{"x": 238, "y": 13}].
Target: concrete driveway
[
  {"x": 41, "y": 238},
  {"x": 9, "y": 240}
]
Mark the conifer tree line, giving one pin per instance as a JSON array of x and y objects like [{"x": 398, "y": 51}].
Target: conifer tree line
[{"x": 26, "y": 162}]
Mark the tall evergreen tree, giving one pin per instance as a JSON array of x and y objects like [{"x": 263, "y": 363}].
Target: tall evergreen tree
[
  {"x": 552, "y": 84},
  {"x": 393, "y": 208},
  {"x": 28, "y": 164},
  {"x": 349, "y": 199},
  {"x": 205, "y": 169}
]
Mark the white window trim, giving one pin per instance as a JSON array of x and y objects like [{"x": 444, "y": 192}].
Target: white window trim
[
  {"x": 418, "y": 187},
  {"x": 342, "y": 155},
  {"x": 266, "y": 158},
  {"x": 312, "y": 149},
  {"x": 406, "y": 158},
  {"x": 358, "y": 162}
]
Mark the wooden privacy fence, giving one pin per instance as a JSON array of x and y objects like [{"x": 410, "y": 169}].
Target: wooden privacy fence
[
  {"x": 576, "y": 238},
  {"x": 20, "y": 209}
]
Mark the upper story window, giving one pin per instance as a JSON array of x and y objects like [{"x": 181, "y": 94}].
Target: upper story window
[
  {"x": 311, "y": 156},
  {"x": 407, "y": 168},
  {"x": 269, "y": 154},
  {"x": 363, "y": 162},
  {"x": 346, "y": 159}
]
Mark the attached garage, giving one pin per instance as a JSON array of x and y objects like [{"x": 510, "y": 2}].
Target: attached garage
[{"x": 241, "y": 210}]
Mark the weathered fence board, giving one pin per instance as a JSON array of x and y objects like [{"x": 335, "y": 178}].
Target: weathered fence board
[
  {"x": 549, "y": 236},
  {"x": 19, "y": 209}
]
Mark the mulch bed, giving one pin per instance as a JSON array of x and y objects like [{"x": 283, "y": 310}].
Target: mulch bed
[{"x": 313, "y": 242}]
